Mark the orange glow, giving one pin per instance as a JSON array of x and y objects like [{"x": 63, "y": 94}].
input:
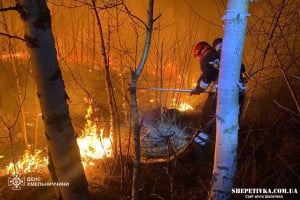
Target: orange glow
[
  {"x": 92, "y": 145},
  {"x": 184, "y": 107},
  {"x": 181, "y": 106},
  {"x": 29, "y": 162},
  {"x": 19, "y": 55}
]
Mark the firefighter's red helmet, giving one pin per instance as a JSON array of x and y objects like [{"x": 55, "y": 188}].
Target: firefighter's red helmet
[{"x": 198, "y": 50}]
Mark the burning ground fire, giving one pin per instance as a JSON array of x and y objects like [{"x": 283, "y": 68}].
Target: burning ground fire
[
  {"x": 92, "y": 145},
  {"x": 29, "y": 162},
  {"x": 185, "y": 107},
  {"x": 182, "y": 106}
]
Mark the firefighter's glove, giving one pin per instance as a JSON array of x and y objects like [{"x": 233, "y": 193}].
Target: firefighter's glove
[
  {"x": 244, "y": 77},
  {"x": 215, "y": 63},
  {"x": 196, "y": 91}
]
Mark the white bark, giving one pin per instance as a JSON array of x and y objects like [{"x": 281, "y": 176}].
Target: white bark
[
  {"x": 227, "y": 102},
  {"x": 64, "y": 158}
]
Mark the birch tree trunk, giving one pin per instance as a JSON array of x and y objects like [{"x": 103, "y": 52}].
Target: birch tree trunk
[
  {"x": 227, "y": 101},
  {"x": 64, "y": 158},
  {"x": 134, "y": 106}
]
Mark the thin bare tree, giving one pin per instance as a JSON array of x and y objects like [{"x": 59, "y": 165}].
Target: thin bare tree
[
  {"x": 113, "y": 117},
  {"x": 134, "y": 106}
]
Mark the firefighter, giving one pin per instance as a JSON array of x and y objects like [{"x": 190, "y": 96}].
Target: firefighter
[
  {"x": 209, "y": 64},
  {"x": 209, "y": 58}
]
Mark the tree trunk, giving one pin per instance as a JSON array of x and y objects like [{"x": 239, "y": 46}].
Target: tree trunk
[
  {"x": 62, "y": 146},
  {"x": 113, "y": 119},
  {"x": 227, "y": 101},
  {"x": 134, "y": 106}
]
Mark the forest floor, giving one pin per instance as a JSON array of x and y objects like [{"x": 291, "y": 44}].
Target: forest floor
[
  {"x": 186, "y": 178},
  {"x": 267, "y": 158}
]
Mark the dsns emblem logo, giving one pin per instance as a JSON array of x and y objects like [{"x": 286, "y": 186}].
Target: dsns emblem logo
[{"x": 16, "y": 182}]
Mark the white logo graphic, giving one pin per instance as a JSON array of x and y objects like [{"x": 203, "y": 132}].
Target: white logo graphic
[{"x": 16, "y": 182}]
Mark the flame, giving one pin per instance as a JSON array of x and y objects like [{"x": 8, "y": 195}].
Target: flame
[
  {"x": 18, "y": 55},
  {"x": 184, "y": 107},
  {"x": 29, "y": 162},
  {"x": 92, "y": 146}
]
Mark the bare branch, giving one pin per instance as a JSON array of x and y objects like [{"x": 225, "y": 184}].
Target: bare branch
[
  {"x": 156, "y": 18},
  {"x": 135, "y": 17},
  {"x": 112, "y": 5},
  {"x": 200, "y": 17},
  {"x": 297, "y": 77},
  {"x": 286, "y": 109},
  {"x": 8, "y": 9},
  {"x": 12, "y": 36},
  {"x": 68, "y": 6},
  {"x": 85, "y": 3},
  {"x": 288, "y": 166},
  {"x": 283, "y": 73}
]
